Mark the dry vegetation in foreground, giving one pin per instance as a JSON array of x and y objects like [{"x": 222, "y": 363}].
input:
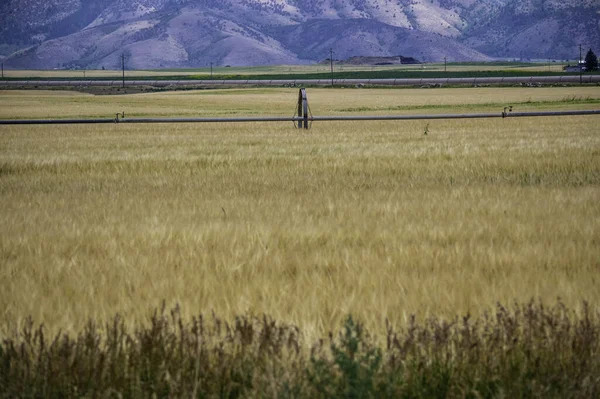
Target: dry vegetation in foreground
[
  {"x": 376, "y": 220},
  {"x": 523, "y": 351}
]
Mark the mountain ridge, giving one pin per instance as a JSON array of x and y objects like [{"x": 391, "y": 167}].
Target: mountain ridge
[{"x": 194, "y": 33}]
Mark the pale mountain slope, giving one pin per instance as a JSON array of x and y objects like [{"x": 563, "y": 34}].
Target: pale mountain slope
[
  {"x": 314, "y": 39},
  {"x": 539, "y": 29},
  {"x": 184, "y": 33}
]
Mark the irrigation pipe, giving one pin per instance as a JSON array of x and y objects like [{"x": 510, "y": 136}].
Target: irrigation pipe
[
  {"x": 504, "y": 114},
  {"x": 140, "y": 120}
]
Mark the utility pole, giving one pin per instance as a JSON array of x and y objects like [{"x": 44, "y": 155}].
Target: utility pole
[
  {"x": 445, "y": 64},
  {"x": 211, "y": 64},
  {"x": 3, "y": 70},
  {"x": 331, "y": 64},
  {"x": 579, "y": 62},
  {"x": 123, "y": 67}
]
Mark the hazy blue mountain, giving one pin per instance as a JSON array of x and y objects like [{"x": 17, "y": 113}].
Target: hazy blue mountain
[{"x": 192, "y": 33}]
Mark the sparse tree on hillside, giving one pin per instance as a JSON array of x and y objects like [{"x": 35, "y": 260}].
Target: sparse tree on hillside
[{"x": 591, "y": 61}]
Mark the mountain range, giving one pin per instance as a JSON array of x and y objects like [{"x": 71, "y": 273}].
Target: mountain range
[{"x": 48, "y": 34}]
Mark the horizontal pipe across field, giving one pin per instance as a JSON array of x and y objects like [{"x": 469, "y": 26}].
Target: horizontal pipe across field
[
  {"x": 309, "y": 82},
  {"x": 297, "y": 119}
]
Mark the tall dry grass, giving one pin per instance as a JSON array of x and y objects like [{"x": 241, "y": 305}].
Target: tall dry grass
[
  {"x": 373, "y": 219},
  {"x": 525, "y": 350}
]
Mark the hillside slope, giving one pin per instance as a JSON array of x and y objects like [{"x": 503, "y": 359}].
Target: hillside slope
[{"x": 194, "y": 33}]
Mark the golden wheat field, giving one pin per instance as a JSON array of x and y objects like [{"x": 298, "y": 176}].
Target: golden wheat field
[{"x": 376, "y": 219}]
